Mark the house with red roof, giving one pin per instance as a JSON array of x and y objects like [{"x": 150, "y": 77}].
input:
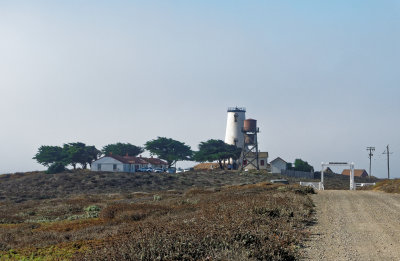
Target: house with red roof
[{"x": 115, "y": 163}]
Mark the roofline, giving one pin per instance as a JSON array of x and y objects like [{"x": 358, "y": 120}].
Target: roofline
[
  {"x": 280, "y": 159},
  {"x": 163, "y": 162},
  {"x": 110, "y": 156}
]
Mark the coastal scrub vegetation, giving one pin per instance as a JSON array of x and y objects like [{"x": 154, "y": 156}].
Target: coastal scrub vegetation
[{"x": 236, "y": 222}]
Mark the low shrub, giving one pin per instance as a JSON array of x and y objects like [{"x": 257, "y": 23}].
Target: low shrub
[
  {"x": 56, "y": 167},
  {"x": 132, "y": 212},
  {"x": 92, "y": 211}
]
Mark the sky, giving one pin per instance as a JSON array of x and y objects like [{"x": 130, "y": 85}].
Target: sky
[{"x": 321, "y": 77}]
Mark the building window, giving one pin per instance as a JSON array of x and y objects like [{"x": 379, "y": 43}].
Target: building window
[
  {"x": 262, "y": 162},
  {"x": 99, "y": 167},
  {"x": 114, "y": 166},
  {"x": 236, "y": 116}
]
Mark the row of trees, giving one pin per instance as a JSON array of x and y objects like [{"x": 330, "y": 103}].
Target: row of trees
[{"x": 57, "y": 158}]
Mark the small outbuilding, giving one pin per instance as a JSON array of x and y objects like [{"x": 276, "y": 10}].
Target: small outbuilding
[{"x": 277, "y": 165}]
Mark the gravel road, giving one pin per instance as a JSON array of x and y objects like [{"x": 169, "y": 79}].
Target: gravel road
[{"x": 355, "y": 225}]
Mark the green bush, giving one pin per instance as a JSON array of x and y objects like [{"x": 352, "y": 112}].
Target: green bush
[
  {"x": 56, "y": 167},
  {"x": 92, "y": 211}
]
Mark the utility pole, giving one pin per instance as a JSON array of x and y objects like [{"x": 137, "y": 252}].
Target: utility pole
[
  {"x": 371, "y": 149},
  {"x": 387, "y": 152}
]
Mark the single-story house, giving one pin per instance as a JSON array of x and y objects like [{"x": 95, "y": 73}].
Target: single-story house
[
  {"x": 357, "y": 173},
  {"x": 277, "y": 165},
  {"x": 115, "y": 163},
  {"x": 262, "y": 160}
]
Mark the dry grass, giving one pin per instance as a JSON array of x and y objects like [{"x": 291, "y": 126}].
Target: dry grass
[
  {"x": 235, "y": 222},
  {"x": 23, "y": 187},
  {"x": 388, "y": 185}
]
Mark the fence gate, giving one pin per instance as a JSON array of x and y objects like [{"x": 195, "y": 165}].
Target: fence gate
[{"x": 330, "y": 164}]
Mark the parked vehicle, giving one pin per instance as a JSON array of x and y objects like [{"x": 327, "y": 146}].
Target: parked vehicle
[
  {"x": 158, "y": 170},
  {"x": 171, "y": 170},
  {"x": 148, "y": 169},
  {"x": 179, "y": 170}
]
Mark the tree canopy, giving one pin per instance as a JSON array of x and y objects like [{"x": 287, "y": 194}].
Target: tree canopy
[
  {"x": 48, "y": 155},
  {"x": 301, "y": 165},
  {"x": 122, "y": 149},
  {"x": 169, "y": 149},
  {"x": 56, "y": 158},
  {"x": 216, "y": 150},
  {"x": 79, "y": 153}
]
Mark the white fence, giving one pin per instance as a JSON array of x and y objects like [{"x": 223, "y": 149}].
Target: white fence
[
  {"x": 315, "y": 185},
  {"x": 365, "y": 184}
]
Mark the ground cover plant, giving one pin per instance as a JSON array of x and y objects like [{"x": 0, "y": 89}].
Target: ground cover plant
[
  {"x": 231, "y": 222},
  {"x": 39, "y": 185}
]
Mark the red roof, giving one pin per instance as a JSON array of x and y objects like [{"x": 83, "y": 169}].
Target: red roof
[
  {"x": 155, "y": 161},
  {"x": 357, "y": 173},
  {"x": 119, "y": 158}
]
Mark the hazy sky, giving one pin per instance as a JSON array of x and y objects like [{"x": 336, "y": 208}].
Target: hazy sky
[{"x": 321, "y": 77}]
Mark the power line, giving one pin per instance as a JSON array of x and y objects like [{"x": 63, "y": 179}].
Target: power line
[
  {"x": 387, "y": 152},
  {"x": 371, "y": 149}
]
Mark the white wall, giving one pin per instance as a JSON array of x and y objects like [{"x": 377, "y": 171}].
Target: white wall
[
  {"x": 107, "y": 164},
  {"x": 277, "y": 166},
  {"x": 234, "y": 129}
]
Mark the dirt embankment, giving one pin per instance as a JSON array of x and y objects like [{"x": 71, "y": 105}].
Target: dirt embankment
[{"x": 355, "y": 225}]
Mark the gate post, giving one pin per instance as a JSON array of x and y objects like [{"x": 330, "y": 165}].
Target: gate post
[
  {"x": 322, "y": 172},
  {"x": 352, "y": 187}
]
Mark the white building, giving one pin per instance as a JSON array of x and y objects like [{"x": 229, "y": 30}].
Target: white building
[
  {"x": 277, "y": 165},
  {"x": 234, "y": 125},
  {"x": 114, "y": 163}
]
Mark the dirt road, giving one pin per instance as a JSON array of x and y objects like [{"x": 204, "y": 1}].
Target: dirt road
[{"x": 355, "y": 225}]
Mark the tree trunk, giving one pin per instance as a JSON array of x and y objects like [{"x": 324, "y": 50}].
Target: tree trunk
[{"x": 220, "y": 164}]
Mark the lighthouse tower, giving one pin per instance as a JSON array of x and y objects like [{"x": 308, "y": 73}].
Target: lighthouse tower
[{"x": 234, "y": 126}]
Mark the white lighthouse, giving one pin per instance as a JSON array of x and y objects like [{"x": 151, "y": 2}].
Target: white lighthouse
[{"x": 234, "y": 125}]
